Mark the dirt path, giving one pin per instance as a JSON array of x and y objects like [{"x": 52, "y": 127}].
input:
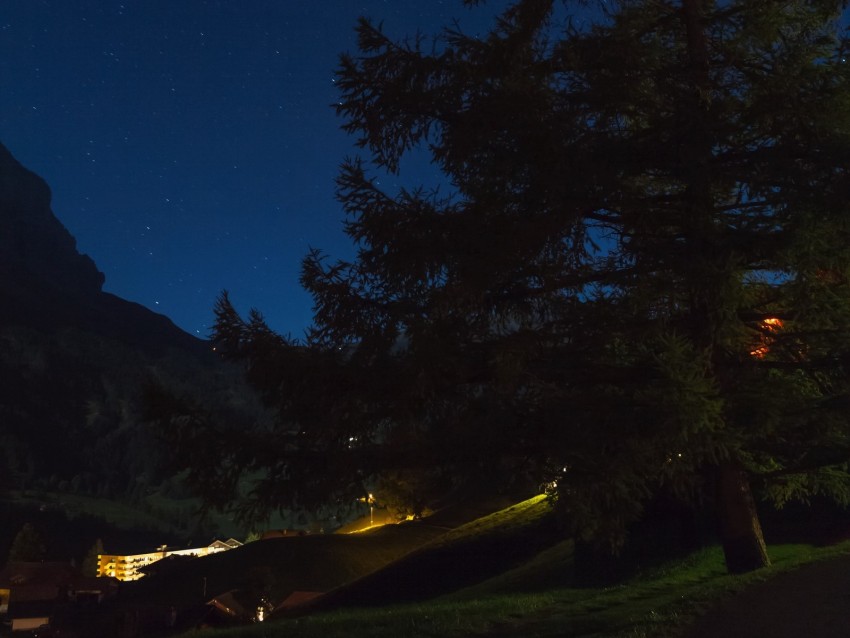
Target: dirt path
[{"x": 811, "y": 602}]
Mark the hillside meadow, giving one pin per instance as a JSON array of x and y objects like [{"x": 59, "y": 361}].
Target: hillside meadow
[{"x": 510, "y": 573}]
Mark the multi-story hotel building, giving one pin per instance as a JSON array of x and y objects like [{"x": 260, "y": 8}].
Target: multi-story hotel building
[{"x": 127, "y": 567}]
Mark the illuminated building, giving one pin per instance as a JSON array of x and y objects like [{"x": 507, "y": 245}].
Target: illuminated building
[{"x": 127, "y": 567}]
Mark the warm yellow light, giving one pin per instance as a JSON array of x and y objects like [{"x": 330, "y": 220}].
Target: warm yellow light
[{"x": 769, "y": 325}]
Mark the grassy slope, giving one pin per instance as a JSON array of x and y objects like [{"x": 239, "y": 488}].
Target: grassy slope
[
  {"x": 455, "y": 559},
  {"x": 311, "y": 563},
  {"x": 532, "y": 598},
  {"x": 658, "y": 605}
]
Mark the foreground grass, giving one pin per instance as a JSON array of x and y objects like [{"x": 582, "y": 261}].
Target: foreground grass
[{"x": 661, "y": 603}]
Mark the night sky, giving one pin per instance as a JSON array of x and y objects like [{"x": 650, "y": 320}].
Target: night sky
[{"x": 191, "y": 145}]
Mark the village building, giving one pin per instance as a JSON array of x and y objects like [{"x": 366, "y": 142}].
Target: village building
[
  {"x": 31, "y": 592},
  {"x": 130, "y": 567}
]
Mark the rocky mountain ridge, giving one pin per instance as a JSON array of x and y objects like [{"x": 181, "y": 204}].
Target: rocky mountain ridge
[
  {"x": 45, "y": 282},
  {"x": 74, "y": 360}
]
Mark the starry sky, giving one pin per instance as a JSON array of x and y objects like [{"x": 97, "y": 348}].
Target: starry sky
[{"x": 191, "y": 145}]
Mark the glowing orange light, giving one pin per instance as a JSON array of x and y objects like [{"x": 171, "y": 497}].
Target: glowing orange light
[{"x": 769, "y": 325}]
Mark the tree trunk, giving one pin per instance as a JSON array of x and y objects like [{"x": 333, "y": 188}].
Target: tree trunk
[{"x": 740, "y": 530}]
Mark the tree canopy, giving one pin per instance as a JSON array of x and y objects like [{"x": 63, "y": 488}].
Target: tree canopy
[
  {"x": 634, "y": 280},
  {"x": 27, "y": 546}
]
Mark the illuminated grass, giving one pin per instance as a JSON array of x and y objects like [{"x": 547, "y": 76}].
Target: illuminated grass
[
  {"x": 505, "y": 522},
  {"x": 658, "y": 604},
  {"x": 506, "y": 574},
  {"x": 317, "y": 562},
  {"x": 458, "y": 558}
]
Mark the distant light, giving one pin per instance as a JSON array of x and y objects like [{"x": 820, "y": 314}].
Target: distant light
[{"x": 769, "y": 325}]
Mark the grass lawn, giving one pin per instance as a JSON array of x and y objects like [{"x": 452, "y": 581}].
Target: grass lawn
[
  {"x": 661, "y": 603},
  {"x": 467, "y": 582}
]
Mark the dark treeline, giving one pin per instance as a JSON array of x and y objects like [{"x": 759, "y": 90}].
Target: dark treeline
[{"x": 633, "y": 288}]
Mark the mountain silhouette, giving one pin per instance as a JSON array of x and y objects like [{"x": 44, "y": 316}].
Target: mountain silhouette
[
  {"x": 74, "y": 360},
  {"x": 46, "y": 283}
]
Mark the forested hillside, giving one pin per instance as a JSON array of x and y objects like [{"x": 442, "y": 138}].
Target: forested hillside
[{"x": 75, "y": 360}]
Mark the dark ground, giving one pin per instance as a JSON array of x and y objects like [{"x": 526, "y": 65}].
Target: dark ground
[{"x": 810, "y": 602}]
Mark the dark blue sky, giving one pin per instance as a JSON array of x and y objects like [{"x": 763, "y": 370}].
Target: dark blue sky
[{"x": 190, "y": 144}]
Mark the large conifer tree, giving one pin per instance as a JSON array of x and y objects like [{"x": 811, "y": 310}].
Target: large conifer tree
[{"x": 636, "y": 281}]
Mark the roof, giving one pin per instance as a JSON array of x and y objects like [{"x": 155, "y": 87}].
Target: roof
[
  {"x": 30, "y": 582},
  {"x": 31, "y": 609},
  {"x": 230, "y": 543},
  {"x": 31, "y": 573},
  {"x": 282, "y": 533},
  {"x": 36, "y": 581},
  {"x": 297, "y": 598},
  {"x": 228, "y": 604},
  {"x": 95, "y": 584}
]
